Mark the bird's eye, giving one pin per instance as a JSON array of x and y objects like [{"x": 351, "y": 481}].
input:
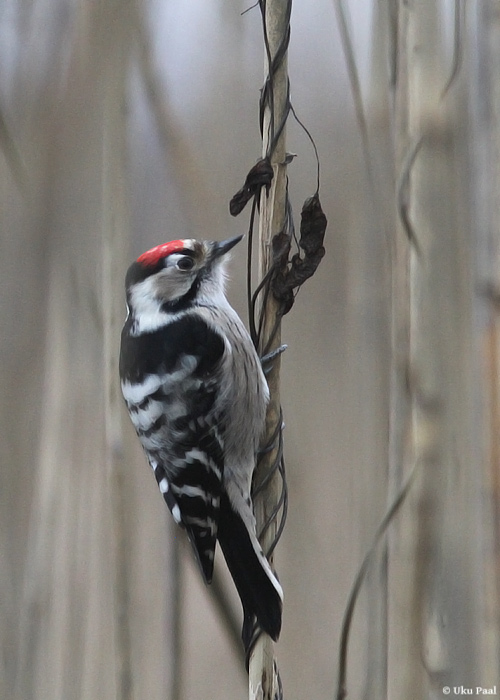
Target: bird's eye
[{"x": 185, "y": 263}]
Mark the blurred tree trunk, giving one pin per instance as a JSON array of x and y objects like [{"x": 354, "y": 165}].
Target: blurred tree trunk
[
  {"x": 80, "y": 556},
  {"x": 484, "y": 110},
  {"x": 72, "y": 531},
  {"x": 436, "y": 597}
]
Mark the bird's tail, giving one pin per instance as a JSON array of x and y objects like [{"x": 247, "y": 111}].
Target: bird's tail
[{"x": 260, "y": 592}]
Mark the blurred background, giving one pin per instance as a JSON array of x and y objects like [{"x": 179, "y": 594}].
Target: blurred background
[{"x": 126, "y": 123}]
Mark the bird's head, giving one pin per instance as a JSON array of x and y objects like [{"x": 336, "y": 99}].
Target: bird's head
[{"x": 171, "y": 276}]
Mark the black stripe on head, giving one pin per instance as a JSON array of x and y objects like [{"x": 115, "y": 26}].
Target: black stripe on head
[
  {"x": 138, "y": 273},
  {"x": 185, "y": 301}
]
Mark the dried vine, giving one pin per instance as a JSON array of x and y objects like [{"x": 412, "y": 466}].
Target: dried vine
[{"x": 281, "y": 275}]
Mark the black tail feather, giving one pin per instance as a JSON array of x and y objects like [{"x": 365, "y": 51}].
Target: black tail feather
[
  {"x": 259, "y": 597},
  {"x": 250, "y": 632}
]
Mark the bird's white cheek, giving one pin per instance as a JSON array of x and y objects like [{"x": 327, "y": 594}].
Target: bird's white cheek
[{"x": 172, "y": 286}]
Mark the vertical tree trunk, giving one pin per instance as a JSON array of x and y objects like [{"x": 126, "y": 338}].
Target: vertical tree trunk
[
  {"x": 114, "y": 258},
  {"x": 485, "y": 138},
  {"x": 262, "y": 671},
  {"x": 79, "y": 469},
  {"x": 435, "y": 564}
]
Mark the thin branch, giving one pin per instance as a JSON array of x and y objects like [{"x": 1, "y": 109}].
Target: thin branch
[
  {"x": 355, "y": 84},
  {"x": 402, "y": 194},
  {"x": 12, "y": 154},
  {"x": 456, "y": 64},
  {"x": 358, "y": 582}
]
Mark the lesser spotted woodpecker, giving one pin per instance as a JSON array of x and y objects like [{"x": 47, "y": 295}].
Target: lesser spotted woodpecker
[{"x": 197, "y": 396}]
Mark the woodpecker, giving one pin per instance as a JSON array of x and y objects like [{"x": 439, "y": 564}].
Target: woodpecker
[{"x": 197, "y": 396}]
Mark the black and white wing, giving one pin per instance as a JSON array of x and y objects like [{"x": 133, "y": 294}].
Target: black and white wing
[{"x": 170, "y": 384}]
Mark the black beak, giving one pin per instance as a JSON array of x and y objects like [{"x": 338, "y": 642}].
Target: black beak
[{"x": 223, "y": 247}]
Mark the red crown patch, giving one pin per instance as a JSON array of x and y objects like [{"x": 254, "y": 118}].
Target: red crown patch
[{"x": 153, "y": 256}]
